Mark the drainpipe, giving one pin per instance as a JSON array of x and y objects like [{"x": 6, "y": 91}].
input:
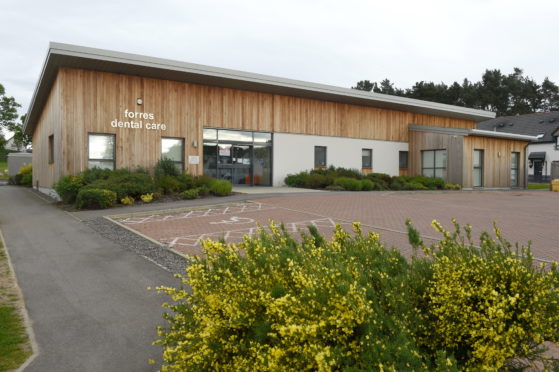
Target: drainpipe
[{"x": 526, "y": 166}]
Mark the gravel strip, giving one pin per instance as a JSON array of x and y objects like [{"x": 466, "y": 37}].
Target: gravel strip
[{"x": 143, "y": 247}]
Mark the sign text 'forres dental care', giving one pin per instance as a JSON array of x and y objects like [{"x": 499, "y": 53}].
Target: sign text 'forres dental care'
[{"x": 138, "y": 120}]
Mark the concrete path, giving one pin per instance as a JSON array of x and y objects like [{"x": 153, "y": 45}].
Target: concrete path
[{"x": 86, "y": 296}]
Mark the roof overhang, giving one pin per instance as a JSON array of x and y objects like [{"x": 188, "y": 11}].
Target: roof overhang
[
  {"x": 537, "y": 156},
  {"x": 471, "y": 132},
  {"x": 73, "y": 56}
]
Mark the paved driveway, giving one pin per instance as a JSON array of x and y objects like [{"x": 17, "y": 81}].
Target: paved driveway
[
  {"x": 521, "y": 215},
  {"x": 86, "y": 296}
]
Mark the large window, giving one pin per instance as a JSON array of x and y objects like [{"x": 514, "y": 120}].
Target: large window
[
  {"x": 173, "y": 149},
  {"x": 433, "y": 163},
  {"x": 320, "y": 156},
  {"x": 514, "y": 166},
  {"x": 477, "y": 176},
  {"x": 367, "y": 158},
  {"x": 403, "y": 160},
  {"x": 101, "y": 151},
  {"x": 241, "y": 157}
]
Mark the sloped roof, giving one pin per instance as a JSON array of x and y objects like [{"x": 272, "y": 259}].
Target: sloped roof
[
  {"x": 73, "y": 56},
  {"x": 541, "y": 123}
]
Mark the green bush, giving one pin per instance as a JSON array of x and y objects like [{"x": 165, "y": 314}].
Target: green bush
[
  {"x": 297, "y": 180},
  {"x": 168, "y": 184},
  {"x": 275, "y": 302},
  {"x": 93, "y": 174},
  {"x": 203, "y": 180},
  {"x": 429, "y": 182},
  {"x": 68, "y": 187},
  {"x": 367, "y": 185},
  {"x": 95, "y": 199},
  {"x": 186, "y": 182},
  {"x": 203, "y": 190},
  {"x": 317, "y": 181},
  {"x": 335, "y": 188},
  {"x": 24, "y": 176},
  {"x": 26, "y": 180},
  {"x": 125, "y": 183},
  {"x": 166, "y": 167},
  {"x": 190, "y": 194},
  {"x": 221, "y": 188},
  {"x": 349, "y": 184}
]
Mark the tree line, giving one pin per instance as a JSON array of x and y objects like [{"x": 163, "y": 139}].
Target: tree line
[
  {"x": 512, "y": 94},
  {"x": 11, "y": 121}
]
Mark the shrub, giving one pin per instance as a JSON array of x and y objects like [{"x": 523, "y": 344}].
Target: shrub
[
  {"x": 203, "y": 180},
  {"x": 190, "y": 194},
  {"x": 186, "y": 181},
  {"x": 488, "y": 304},
  {"x": 367, "y": 185},
  {"x": 381, "y": 178},
  {"x": 334, "y": 188},
  {"x": 95, "y": 198},
  {"x": 91, "y": 175},
  {"x": 350, "y": 184},
  {"x": 166, "y": 167},
  {"x": 203, "y": 190},
  {"x": 24, "y": 176},
  {"x": 68, "y": 187},
  {"x": 127, "y": 200},
  {"x": 168, "y": 184},
  {"x": 317, "y": 181},
  {"x": 221, "y": 188},
  {"x": 125, "y": 183},
  {"x": 297, "y": 180},
  {"x": 274, "y": 303},
  {"x": 26, "y": 169},
  {"x": 429, "y": 182},
  {"x": 147, "y": 198}
]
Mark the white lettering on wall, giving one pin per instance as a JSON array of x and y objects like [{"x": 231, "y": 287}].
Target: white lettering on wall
[{"x": 138, "y": 120}]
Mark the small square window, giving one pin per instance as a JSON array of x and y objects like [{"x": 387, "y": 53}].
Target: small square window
[
  {"x": 173, "y": 149},
  {"x": 101, "y": 151},
  {"x": 403, "y": 160},
  {"x": 367, "y": 158}
]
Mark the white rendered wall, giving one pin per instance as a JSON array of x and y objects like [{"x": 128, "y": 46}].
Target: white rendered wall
[
  {"x": 551, "y": 155},
  {"x": 294, "y": 153}
]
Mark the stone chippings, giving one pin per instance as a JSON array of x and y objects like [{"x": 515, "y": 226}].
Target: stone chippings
[{"x": 136, "y": 243}]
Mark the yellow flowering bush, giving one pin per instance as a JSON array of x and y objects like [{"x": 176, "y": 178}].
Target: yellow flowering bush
[
  {"x": 127, "y": 200},
  {"x": 147, "y": 198},
  {"x": 289, "y": 305},
  {"x": 488, "y": 303}
]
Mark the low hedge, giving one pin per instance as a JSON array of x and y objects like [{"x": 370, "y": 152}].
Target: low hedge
[
  {"x": 95, "y": 199},
  {"x": 275, "y": 302},
  {"x": 221, "y": 188}
]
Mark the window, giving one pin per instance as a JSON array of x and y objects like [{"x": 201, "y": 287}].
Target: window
[
  {"x": 433, "y": 163},
  {"x": 367, "y": 158},
  {"x": 403, "y": 161},
  {"x": 101, "y": 151},
  {"x": 51, "y": 149},
  {"x": 319, "y": 156},
  {"x": 477, "y": 177},
  {"x": 173, "y": 149},
  {"x": 557, "y": 143},
  {"x": 514, "y": 166}
]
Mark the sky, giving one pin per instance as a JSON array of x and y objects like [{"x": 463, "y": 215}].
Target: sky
[{"x": 329, "y": 42}]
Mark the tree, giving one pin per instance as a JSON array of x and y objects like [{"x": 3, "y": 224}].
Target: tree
[
  {"x": 8, "y": 111},
  {"x": 21, "y": 139},
  {"x": 365, "y": 85}
]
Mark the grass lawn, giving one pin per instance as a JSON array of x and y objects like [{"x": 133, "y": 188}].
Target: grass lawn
[
  {"x": 14, "y": 343},
  {"x": 538, "y": 186},
  {"x": 3, "y": 167}
]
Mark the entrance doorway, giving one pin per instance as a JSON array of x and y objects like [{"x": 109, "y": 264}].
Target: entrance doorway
[{"x": 240, "y": 157}]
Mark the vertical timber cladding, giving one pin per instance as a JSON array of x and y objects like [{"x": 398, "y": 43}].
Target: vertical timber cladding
[
  {"x": 453, "y": 143},
  {"x": 48, "y": 124},
  {"x": 496, "y": 160},
  {"x": 91, "y": 100}
]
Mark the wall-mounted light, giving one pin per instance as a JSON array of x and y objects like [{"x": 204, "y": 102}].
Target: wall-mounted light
[
  {"x": 139, "y": 101},
  {"x": 499, "y": 154},
  {"x": 194, "y": 143}
]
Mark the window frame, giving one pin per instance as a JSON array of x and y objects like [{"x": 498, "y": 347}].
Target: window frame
[
  {"x": 517, "y": 168},
  {"x": 434, "y": 168},
  {"x": 400, "y": 153},
  {"x": 102, "y": 160},
  {"x": 480, "y": 167},
  {"x": 51, "y": 149},
  {"x": 182, "y": 162},
  {"x": 370, "y": 156},
  {"x": 318, "y": 166}
]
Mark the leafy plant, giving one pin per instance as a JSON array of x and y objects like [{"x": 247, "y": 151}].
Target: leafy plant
[
  {"x": 95, "y": 198},
  {"x": 147, "y": 198},
  {"x": 349, "y": 184},
  {"x": 166, "y": 167},
  {"x": 127, "y": 200},
  {"x": 168, "y": 184},
  {"x": 190, "y": 194},
  {"x": 68, "y": 187},
  {"x": 221, "y": 188},
  {"x": 367, "y": 185}
]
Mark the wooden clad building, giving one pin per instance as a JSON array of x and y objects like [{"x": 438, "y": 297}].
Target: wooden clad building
[{"x": 108, "y": 109}]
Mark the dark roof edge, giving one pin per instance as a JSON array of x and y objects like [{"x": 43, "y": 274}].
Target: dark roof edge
[
  {"x": 470, "y": 132},
  {"x": 232, "y": 77}
]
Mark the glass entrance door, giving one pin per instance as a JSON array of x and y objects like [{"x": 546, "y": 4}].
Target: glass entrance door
[{"x": 234, "y": 163}]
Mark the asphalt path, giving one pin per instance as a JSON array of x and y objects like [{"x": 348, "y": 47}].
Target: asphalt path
[{"x": 85, "y": 295}]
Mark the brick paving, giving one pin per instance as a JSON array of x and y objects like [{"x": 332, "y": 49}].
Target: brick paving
[{"x": 521, "y": 215}]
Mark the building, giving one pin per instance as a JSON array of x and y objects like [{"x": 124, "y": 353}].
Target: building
[
  {"x": 542, "y": 152},
  {"x": 109, "y": 109}
]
